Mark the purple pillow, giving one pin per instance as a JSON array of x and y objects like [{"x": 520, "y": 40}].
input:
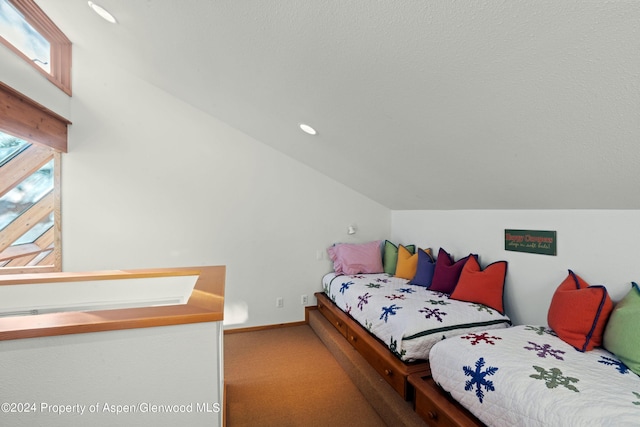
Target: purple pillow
[
  {"x": 447, "y": 272},
  {"x": 356, "y": 258},
  {"x": 424, "y": 271}
]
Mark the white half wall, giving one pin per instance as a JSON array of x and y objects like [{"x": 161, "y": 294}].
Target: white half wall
[
  {"x": 598, "y": 245},
  {"x": 161, "y": 376}
]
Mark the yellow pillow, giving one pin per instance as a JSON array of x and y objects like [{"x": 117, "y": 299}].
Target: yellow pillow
[{"x": 408, "y": 262}]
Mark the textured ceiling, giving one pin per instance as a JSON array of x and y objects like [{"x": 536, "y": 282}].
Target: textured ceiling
[{"x": 418, "y": 104}]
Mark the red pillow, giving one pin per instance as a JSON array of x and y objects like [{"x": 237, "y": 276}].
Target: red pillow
[
  {"x": 578, "y": 312},
  {"x": 482, "y": 286}
]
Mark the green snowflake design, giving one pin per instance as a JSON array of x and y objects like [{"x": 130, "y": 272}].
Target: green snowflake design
[
  {"x": 540, "y": 330},
  {"x": 374, "y": 285},
  {"x": 437, "y": 302},
  {"x": 482, "y": 307},
  {"x": 368, "y": 325},
  {"x": 393, "y": 346},
  {"x": 637, "y": 396},
  {"x": 554, "y": 378}
]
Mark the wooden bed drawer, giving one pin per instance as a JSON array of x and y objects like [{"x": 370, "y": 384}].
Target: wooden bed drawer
[
  {"x": 380, "y": 362},
  {"x": 436, "y": 407},
  {"x": 335, "y": 319}
]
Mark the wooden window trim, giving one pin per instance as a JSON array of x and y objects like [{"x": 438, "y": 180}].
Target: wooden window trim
[
  {"x": 60, "y": 57},
  {"x": 206, "y": 304},
  {"x": 27, "y": 119}
]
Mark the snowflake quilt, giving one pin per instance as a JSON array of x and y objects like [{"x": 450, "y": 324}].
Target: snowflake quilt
[
  {"x": 527, "y": 376},
  {"x": 408, "y": 319}
]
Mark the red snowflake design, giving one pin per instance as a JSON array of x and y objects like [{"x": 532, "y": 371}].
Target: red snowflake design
[
  {"x": 483, "y": 337},
  {"x": 394, "y": 297}
]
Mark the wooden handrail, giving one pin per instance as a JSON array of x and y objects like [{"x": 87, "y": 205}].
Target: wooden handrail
[{"x": 206, "y": 304}]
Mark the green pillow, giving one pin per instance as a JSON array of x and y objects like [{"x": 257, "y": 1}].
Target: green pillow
[
  {"x": 622, "y": 336},
  {"x": 390, "y": 258}
]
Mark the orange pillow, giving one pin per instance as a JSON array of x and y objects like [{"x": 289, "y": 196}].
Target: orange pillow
[
  {"x": 578, "y": 312},
  {"x": 482, "y": 286},
  {"x": 408, "y": 263}
]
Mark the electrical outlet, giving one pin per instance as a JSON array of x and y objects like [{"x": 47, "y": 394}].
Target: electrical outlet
[
  {"x": 304, "y": 300},
  {"x": 279, "y": 302}
]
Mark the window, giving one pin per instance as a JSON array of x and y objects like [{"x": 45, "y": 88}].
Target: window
[
  {"x": 26, "y": 30},
  {"x": 32, "y": 140}
]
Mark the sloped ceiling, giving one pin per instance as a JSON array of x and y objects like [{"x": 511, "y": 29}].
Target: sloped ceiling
[{"x": 485, "y": 104}]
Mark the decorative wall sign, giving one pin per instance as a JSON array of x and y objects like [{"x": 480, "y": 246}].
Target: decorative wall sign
[{"x": 532, "y": 241}]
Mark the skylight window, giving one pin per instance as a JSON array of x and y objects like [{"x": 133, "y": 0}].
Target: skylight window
[
  {"x": 29, "y": 32},
  {"x": 15, "y": 29}
]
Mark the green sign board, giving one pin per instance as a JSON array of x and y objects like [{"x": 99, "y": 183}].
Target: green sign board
[{"x": 532, "y": 241}]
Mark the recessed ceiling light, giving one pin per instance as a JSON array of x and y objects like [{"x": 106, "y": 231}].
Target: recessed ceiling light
[
  {"x": 104, "y": 14},
  {"x": 308, "y": 129}
]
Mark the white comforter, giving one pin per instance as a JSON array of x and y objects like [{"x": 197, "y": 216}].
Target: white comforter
[
  {"x": 527, "y": 376},
  {"x": 408, "y": 319}
]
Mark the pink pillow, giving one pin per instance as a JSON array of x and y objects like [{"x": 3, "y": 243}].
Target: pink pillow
[{"x": 356, "y": 258}]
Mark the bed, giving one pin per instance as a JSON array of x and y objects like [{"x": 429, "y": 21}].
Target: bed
[
  {"x": 527, "y": 375},
  {"x": 408, "y": 319},
  {"x": 581, "y": 369},
  {"x": 394, "y": 302}
]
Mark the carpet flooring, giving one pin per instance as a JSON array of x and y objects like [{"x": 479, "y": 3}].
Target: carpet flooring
[{"x": 287, "y": 377}]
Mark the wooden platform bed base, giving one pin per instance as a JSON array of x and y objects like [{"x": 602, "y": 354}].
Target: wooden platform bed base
[
  {"x": 412, "y": 381},
  {"x": 392, "y": 369}
]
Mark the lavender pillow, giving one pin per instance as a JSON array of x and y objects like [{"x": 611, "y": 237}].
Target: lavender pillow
[
  {"x": 447, "y": 272},
  {"x": 356, "y": 258}
]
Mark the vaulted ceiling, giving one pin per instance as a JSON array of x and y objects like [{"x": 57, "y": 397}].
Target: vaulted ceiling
[{"x": 418, "y": 104}]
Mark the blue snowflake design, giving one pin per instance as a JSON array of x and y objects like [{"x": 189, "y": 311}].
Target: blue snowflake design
[
  {"x": 389, "y": 311},
  {"x": 478, "y": 378},
  {"x": 345, "y": 287},
  {"x": 544, "y": 350},
  {"x": 621, "y": 367},
  {"x": 407, "y": 290},
  {"x": 363, "y": 299}
]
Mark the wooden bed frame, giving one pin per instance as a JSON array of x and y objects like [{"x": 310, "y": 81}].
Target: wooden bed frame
[
  {"x": 392, "y": 369},
  {"x": 412, "y": 380}
]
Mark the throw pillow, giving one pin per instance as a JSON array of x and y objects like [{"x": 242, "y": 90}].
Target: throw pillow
[
  {"x": 447, "y": 272},
  {"x": 356, "y": 258},
  {"x": 622, "y": 335},
  {"x": 408, "y": 262},
  {"x": 424, "y": 270},
  {"x": 482, "y": 286},
  {"x": 391, "y": 256},
  {"x": 578, "y": 312}
]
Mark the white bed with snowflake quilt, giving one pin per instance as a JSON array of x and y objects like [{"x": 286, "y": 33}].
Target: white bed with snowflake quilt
[
  {"x": 527, "y": 376},
  {"x": 408, "y": 319}
]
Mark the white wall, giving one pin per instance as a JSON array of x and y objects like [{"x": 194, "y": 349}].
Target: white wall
[
  {"x": 151, "y": 182},
  {"x": 600, "y": 246},
  {"x": 162, "y": 366}
]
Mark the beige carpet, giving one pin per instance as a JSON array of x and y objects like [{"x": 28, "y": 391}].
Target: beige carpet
[{"x": 287, "y": 377}]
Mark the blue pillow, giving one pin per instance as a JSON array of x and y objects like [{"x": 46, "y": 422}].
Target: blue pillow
[{"x": 424, "y": 271}]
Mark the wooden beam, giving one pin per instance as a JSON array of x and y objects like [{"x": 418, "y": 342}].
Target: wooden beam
[
  {"x": 22, "y": 117},
  {"x": 22, "y": 166},
  {"x": 24, "y": 222}
]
